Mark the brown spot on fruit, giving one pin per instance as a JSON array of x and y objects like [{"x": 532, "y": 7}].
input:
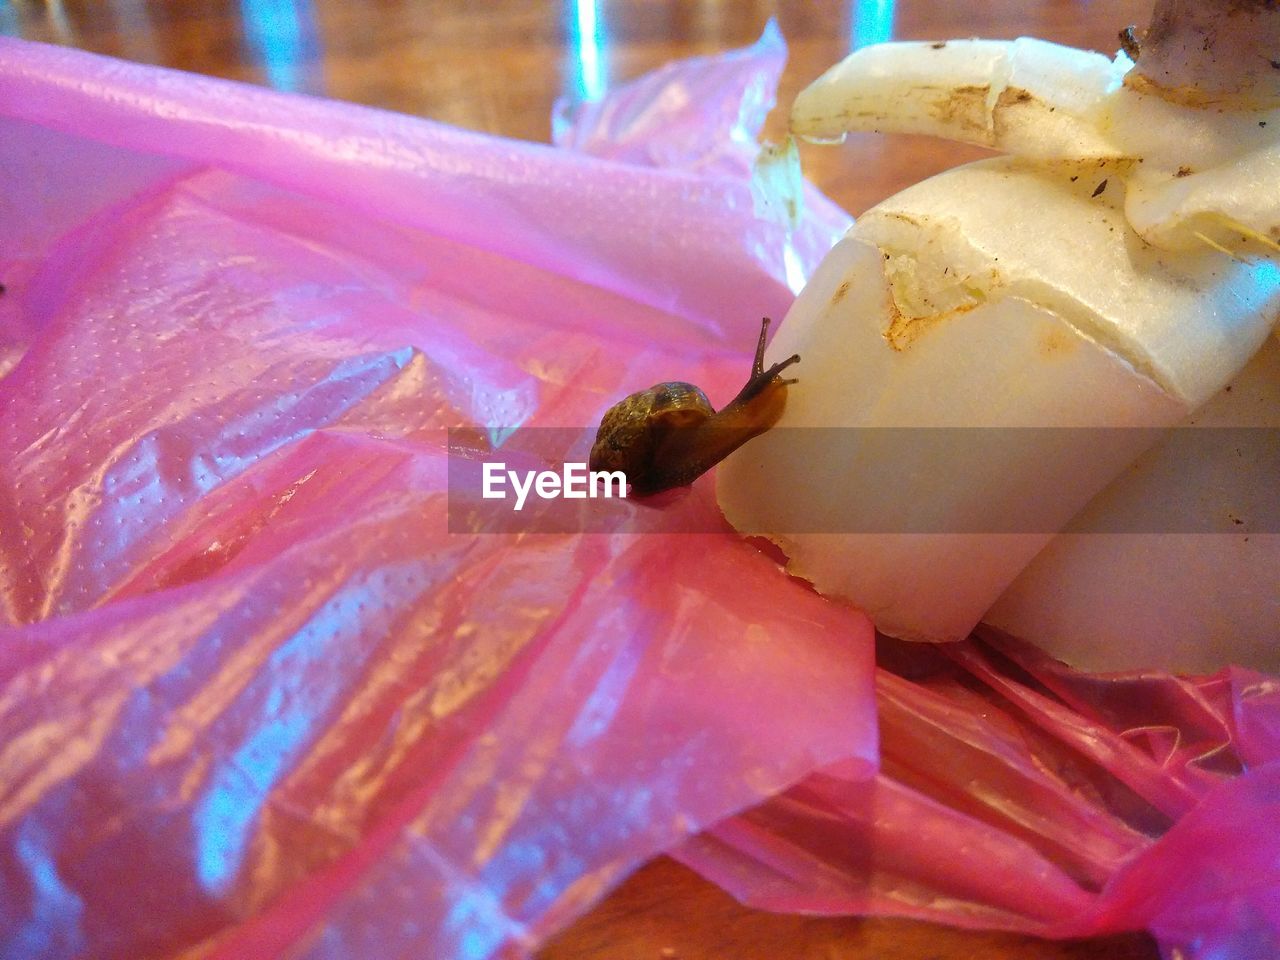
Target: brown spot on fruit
[
  {"x": 903, "y": 330},
  {"x": 964, "y": 107},
  {"x": 1055, "y": 343}
]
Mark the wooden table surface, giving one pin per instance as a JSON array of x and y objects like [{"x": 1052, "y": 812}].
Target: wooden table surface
[{"x": 499, "y": 67}]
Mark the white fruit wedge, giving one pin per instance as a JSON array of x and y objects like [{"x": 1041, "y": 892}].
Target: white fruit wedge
[{"x": 1047, "y": 313}]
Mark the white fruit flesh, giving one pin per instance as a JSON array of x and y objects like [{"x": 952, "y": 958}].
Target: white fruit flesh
[
  {"x": 1194, "y": 172},
  {"x": 1197, "y": 600},
  {"x": 1112, "y": 273},
  {"x": 1022, "y": 96},
  {"x": 1008, "y": 293}
]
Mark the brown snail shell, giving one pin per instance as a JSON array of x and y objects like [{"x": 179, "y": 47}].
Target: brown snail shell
[{"x": 669, "y": 435}]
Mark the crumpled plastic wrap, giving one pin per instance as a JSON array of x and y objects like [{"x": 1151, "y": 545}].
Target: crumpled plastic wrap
[
  {"x": 257, "y": 700},
  {"x": 1017, "y": 794}
]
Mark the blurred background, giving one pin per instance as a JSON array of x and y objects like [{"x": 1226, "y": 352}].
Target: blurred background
[{"x": 500, "y": 67}]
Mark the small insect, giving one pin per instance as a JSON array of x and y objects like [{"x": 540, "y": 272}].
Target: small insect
[{"x": 669, "y": 435}]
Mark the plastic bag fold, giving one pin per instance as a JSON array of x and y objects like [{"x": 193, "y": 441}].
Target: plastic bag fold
[
  {"x": 256, "y": 697},
  {"x": 1015, "y": 793}
]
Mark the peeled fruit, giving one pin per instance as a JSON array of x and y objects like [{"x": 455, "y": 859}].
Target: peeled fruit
[{"x": 1050, "y": 312}]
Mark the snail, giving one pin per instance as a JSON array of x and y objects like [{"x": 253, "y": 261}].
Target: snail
[{"x": 669, "y": 435}]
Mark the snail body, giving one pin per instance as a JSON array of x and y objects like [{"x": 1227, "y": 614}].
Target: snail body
[{"x": 669, "y": 435}]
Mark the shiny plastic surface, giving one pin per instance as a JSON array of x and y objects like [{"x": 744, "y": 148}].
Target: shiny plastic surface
[
  {"x": 1017, "y": 794},
  {"x": 256, "y": 700}
]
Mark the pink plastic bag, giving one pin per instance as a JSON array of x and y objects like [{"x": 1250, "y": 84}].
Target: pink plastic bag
[
  {"x": 258, "y": 700},
  {"x": 1019, "y": 795}
]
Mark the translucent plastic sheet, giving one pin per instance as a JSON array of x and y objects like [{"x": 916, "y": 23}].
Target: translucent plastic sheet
[
  {"x": 256, "y": 700},
  {"x": 1016, "y": 794}
]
